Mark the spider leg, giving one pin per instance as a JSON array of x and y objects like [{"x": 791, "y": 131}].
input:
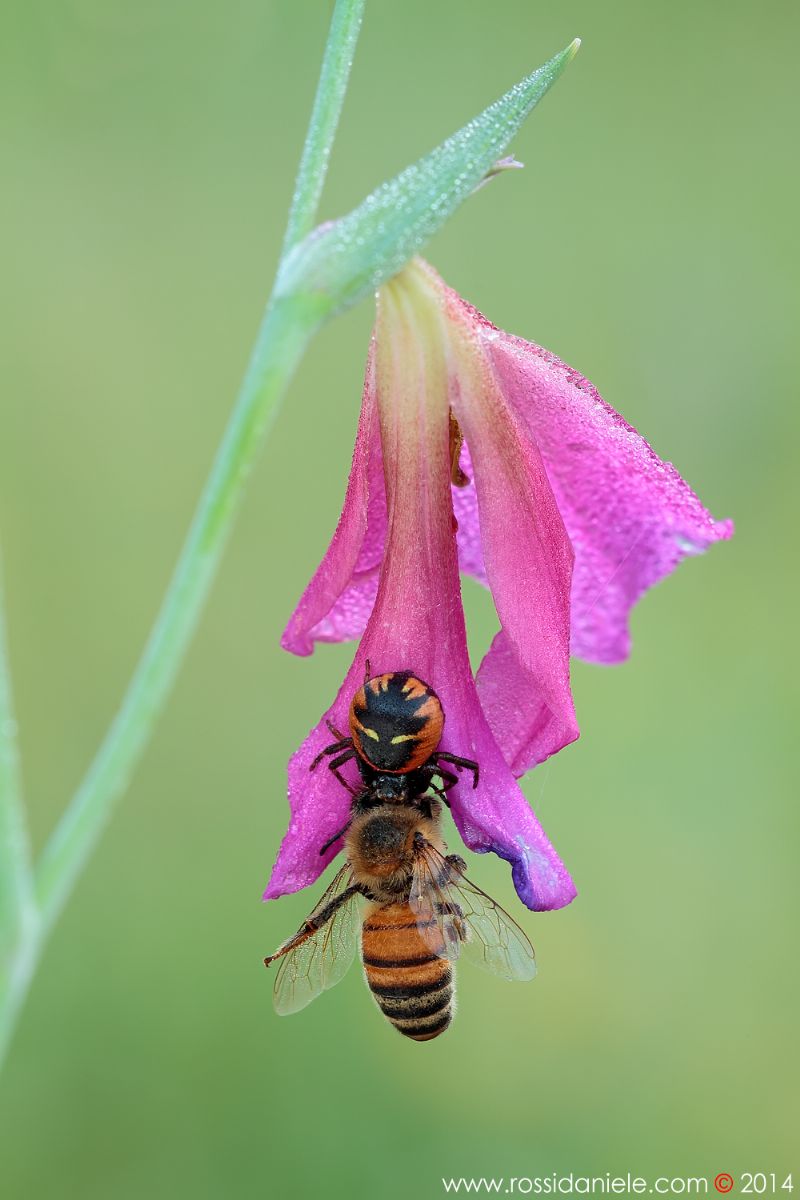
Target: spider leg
[
  {"x": 447, "y": 777},
  {"x": 335, "y": 763},
  {"x": 441, "y": 793},
  {"x": 334, "y": 748},
  {"x": 462, "y": 763}
]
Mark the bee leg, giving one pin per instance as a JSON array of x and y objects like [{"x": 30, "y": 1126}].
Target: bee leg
[
  {"x": 335, "y": 837},
  {"x": 456, "y": 926},
  {"x": 462, "y": 763},
  {"x": 456, "y": 864},
  {"x": 337, "y": 733},
  {"x": 314, "y": 923},
  {"x": 451, "y": 870},
  {"x": 334, "y": 748},
  {"x": 367, "y": 671}
]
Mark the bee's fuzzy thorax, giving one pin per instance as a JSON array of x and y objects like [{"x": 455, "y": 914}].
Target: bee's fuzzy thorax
[{"x": 380, "y": 845}]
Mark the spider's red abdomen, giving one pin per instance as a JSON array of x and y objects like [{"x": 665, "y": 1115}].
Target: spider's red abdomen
[{"x": 396, "y": 722}]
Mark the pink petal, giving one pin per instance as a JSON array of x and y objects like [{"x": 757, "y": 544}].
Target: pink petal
[
  {"x": 630, "y": 516},
  {"x": 468, "y": 535},
  {"x": 319, "y": 805},
  {"x": 525, "y": 727},
  {"x": 337, "y": 602},
  {"x": 523, "y": 682},
  {"x": 418, "y": 624}
]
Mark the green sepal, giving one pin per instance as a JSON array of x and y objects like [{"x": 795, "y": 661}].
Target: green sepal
[{"x": 342, "y": 261}]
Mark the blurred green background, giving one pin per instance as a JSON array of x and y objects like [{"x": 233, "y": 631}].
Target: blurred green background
[{"x": 149, "y": 157}]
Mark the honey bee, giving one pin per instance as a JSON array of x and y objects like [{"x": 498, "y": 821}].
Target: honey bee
[{"x": 422, "y": 913}]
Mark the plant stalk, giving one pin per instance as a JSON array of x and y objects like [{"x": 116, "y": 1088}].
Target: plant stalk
[{"x": 32, "y": 902}]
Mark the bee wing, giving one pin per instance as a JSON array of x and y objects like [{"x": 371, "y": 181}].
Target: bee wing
[
  {"x": 322, "y": 958},
  {"x": 438, "y": 919},
  {"x": 453, "y": 911}
]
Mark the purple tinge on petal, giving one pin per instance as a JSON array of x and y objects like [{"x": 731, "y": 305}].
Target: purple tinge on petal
[
  {"x": 630, "y": 516},
  {"x": 337, "y": 602},
  {"x": 418, "y": 624},
  {"x": 496, "y": 816}
]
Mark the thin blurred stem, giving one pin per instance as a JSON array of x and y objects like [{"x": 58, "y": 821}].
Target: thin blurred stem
[
  {"x": 15, "y": 980},
  {"x": 19, "y": 922},
  {"x": 333, "y": 80},
  {"x": 16, "y": 879},
  {"x": 33, "y": 903}
]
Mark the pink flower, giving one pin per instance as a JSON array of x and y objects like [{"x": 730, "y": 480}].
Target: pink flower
[{"x": 560, "y": 507}]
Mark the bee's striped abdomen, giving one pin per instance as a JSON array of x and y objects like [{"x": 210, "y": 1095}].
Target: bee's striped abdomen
[{"x": 412, "y": 985}]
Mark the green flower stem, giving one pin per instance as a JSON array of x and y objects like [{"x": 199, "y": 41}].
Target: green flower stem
[
  {"x": 30, "y": 904},
  {"x": 333, "y": 79},
  {"x": 287, "y": 328}
]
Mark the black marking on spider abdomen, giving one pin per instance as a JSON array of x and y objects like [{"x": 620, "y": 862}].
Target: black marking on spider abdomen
[{"x": 396, "y": 722}]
